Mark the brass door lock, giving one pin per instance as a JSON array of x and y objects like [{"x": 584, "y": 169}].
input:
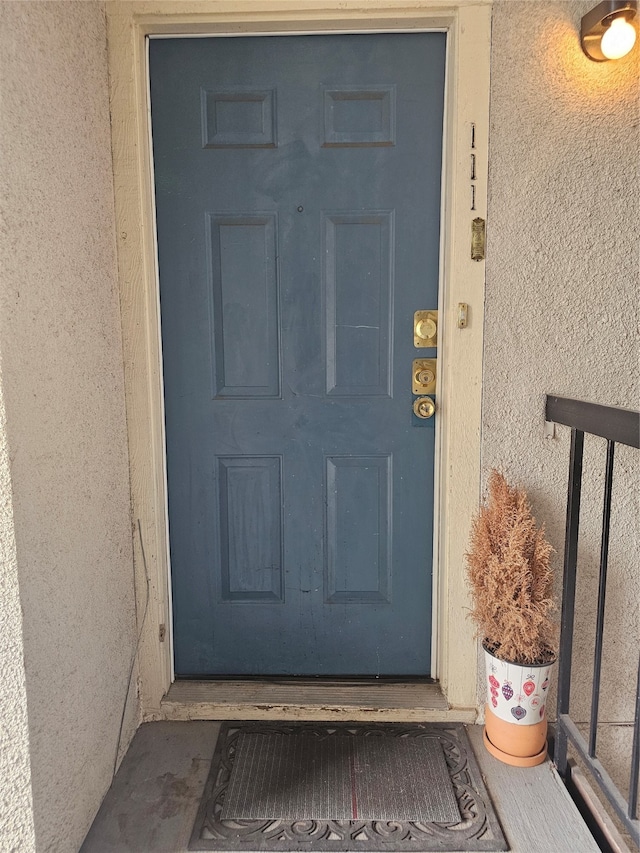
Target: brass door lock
[
  {"x": 424, "y": 376},
  {"x": 424, "y": 407},
  {"x": 425, "y": 329}
]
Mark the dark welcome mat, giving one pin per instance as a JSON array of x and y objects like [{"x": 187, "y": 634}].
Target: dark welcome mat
[
  {"x": 339, "y": 777},
  {"x": 287, "y": 787}
]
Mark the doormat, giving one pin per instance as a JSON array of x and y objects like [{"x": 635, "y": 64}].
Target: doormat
[
  {"x": 342, "y": 777},
  {"x": 345, "y": 787}
]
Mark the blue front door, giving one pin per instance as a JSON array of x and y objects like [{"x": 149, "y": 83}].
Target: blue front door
[{"x": 298, "y": 208}]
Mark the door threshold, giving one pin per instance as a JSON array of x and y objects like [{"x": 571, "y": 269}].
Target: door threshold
[{"x": 372, "y": 701}]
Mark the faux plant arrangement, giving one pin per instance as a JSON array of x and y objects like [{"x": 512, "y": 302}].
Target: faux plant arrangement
[{"x": 511, "y": 582}]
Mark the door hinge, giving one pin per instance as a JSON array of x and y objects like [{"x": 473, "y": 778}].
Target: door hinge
[{"x": 162, "y": 632}]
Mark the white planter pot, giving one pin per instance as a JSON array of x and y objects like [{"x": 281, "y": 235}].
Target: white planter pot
[{"x": 515, "y": 693}]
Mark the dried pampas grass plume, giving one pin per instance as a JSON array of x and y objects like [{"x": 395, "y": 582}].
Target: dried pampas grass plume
[{"x": 510, "y": 578}]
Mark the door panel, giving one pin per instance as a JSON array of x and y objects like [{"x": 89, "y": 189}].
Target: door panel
[
  {"x": 244, "y": 290},
  {"x": 357, "y": 286},
  {"x": 358, "y": 568},
  {"x": 250, "y": 510},
  {"x": 298, "y": 207}
]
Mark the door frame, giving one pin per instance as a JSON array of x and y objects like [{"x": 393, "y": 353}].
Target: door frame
[{"x": 457, "y": 474}]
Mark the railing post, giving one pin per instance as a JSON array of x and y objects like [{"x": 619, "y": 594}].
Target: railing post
[
  {"x": 568, "y": 596},
  {"x": 602, "y": 594}
]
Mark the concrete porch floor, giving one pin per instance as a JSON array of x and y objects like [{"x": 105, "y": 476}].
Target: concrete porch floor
[{"x": 152, "y": 803}]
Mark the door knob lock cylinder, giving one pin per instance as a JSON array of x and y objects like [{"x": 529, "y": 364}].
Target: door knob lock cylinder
[{"x": 424, "y": 408}]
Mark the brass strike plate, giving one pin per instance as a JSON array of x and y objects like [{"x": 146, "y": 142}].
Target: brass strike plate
[
  {"x": 424, "y": 376},
  {"x": 477, "y": 239},
  {"x": 425, "y": 329}
]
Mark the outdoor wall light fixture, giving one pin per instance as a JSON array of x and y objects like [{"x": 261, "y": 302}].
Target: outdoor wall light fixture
[{"x": 607, "y": 31}]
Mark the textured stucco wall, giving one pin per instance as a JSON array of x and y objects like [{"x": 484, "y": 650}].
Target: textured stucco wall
[
  {"x": 16, "y": 815},
  {"x": 63, "y": 389},
  {"x": 562, "y": 296}
]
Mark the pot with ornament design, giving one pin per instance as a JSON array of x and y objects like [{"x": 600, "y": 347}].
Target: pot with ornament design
[{"x": 515, "y": 717}]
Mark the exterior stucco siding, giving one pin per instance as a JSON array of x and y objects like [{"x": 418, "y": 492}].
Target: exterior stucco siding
[
  {"x": 63, "y": 388},
  {"x": 562, "y": 306},
  {"x": 16, "y": 807}
]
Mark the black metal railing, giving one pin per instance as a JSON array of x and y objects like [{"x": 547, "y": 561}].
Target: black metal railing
[{"x": 617, "y": 426}]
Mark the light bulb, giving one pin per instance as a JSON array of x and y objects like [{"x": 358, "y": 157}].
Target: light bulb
[{"x": 618, "y": 40}]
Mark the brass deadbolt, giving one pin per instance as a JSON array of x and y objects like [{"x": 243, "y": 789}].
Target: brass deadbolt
[
  {"x": 424, "y": 407},
  {"x": 423, "y": 378},
  {"x": 425, "y": 329}
]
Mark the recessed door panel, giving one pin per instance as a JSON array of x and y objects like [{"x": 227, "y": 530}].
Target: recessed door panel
[
  {"x": 360, "y": 117},
  {"x": 244, "y": 303},
  {"x": 359, "y": 286},
  {"x": 250, "y": 512},
  {"x": 359, "y": 547},
  {"x": 238, "y": 119}
]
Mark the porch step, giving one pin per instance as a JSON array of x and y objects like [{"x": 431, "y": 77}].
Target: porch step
[
  {"x": 354, "y": 701},
  {"x": 153, "y": 801},
  {"x": 535, "y": 809}
]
